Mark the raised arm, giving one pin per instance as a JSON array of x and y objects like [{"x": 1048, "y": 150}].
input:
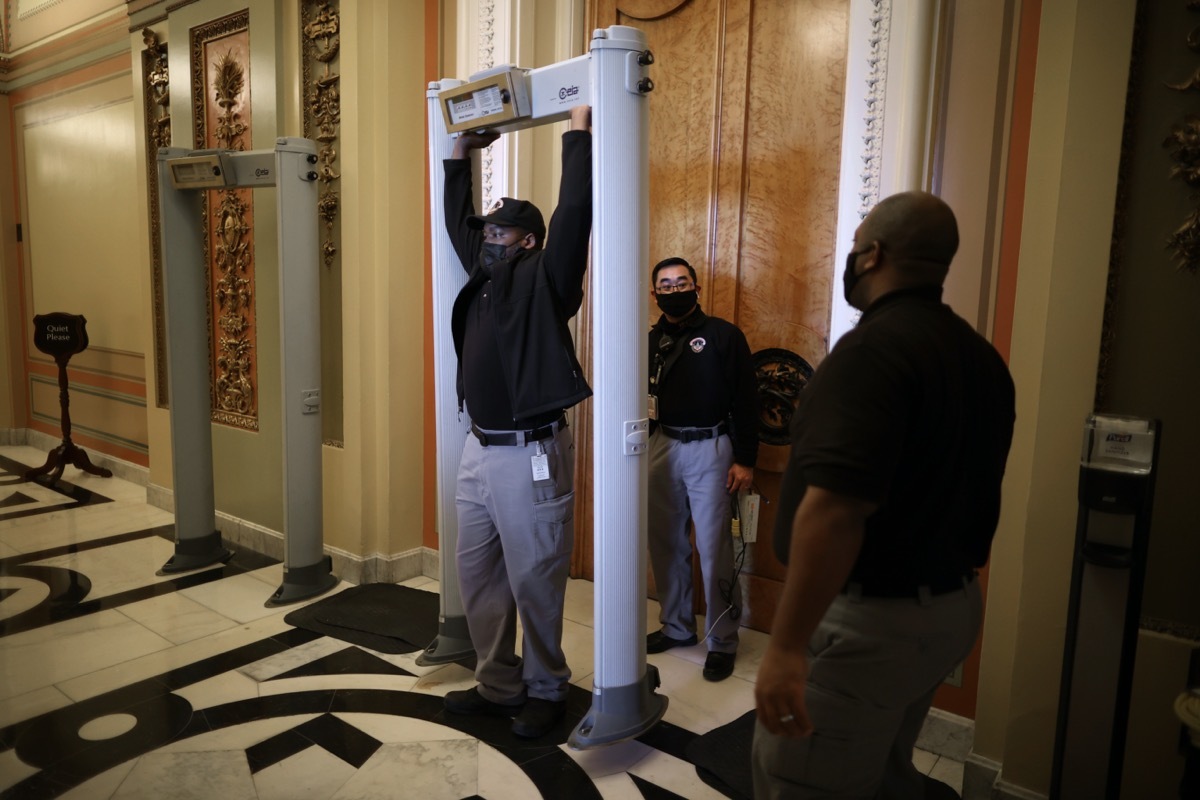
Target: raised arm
[
  {"x": 571, "y": 226},
  {"x": 457, "y": 199}
]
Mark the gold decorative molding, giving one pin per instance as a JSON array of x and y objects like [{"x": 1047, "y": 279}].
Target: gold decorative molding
[
  {"x": 486, "y": 59},
  {"x": 156, "y": 102},
  {"x": 1183, "y": 143},
  {"x": 220, "y": 56},
  {"x": 320, "y": 23},
  {"x": 320, "y": 48}
]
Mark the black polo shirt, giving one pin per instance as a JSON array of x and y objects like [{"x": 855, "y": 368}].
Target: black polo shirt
[
  {"x": 702, "y": 372},
  {"x": 914, "y": 411}
]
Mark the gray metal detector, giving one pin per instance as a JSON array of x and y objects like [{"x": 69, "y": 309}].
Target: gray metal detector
[
  {"x": 612, "y": 79},
  {"x": 181, "y": 175}
]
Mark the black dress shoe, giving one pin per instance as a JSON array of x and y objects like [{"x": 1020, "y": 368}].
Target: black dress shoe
[
  {"x": 538, "y": 717},
  {"x": 470, "y": 701},
  {"x": 658, "y": 642},
  {"x": 718, "y": 666}
]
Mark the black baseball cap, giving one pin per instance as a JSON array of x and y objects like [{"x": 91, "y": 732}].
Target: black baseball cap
[{"x": 513, "y": 213}]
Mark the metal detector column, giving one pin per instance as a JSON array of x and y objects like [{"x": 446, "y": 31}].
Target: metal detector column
[
  {"x": 624, "y": 703},
  {"x": 453, "y": 641},
  {"x": 182, "y": 175},
  {"x": 307, "y": 571},
  {"x": 1116, "y": 492},
  {"x": 197, "y": 540}
]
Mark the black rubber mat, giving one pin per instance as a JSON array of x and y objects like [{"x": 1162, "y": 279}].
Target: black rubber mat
[
  {"x": 382, "y": 616},
  {"x": 722, "y": 757},
  {"x": 722, "y": 760}
]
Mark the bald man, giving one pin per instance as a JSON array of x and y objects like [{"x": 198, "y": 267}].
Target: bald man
[{"x": 888, "y": 506}]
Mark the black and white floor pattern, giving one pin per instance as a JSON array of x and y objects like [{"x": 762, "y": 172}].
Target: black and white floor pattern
[{"x": 116, "y": 682}]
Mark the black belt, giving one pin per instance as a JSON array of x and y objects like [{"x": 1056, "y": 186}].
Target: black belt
[
  {"x": 517, "y": 438},
  {"x": 930, "y": 588},
  {"x": 686, "y": 435}
]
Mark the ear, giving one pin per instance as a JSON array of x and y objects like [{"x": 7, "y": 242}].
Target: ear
[
  {"x": 529, "y": 241},
  {"x": 873, "y": 257}
]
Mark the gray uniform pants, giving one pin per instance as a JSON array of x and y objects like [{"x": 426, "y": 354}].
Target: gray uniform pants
[
  {"x": 874, "y": 665},
  {"x": 514, "y": 551},
  {"x": 688, "y": 481}
]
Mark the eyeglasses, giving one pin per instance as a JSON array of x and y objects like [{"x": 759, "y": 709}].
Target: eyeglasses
[{"x": 684, "y": 285}]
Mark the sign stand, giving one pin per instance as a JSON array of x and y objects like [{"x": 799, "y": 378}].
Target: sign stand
[{"x": 62, "y": 336}]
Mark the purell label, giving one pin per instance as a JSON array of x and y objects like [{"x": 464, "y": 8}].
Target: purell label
[{"x": 1123, "y": 450}]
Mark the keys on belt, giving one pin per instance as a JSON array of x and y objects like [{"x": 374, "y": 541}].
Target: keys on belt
[
  {"x": 686, "y": 435},
  {"x": 517, "y": 438}
]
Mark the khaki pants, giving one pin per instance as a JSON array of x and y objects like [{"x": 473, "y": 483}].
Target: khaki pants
[
  {"x": 874, "y": 665},
  {"x": 513, "y": 555},
  {"x": 687, "y": 481}
]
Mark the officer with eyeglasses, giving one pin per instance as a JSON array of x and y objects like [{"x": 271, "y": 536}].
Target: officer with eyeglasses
[{"x": 703, "y": 408}]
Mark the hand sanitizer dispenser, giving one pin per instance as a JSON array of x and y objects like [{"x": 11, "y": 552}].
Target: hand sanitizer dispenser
[{"x": 1116, "y": 492}]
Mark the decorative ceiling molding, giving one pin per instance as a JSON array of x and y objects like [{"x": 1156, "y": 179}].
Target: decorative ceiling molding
[
  {"x": 27, "y": 8},
  {"x": 62, "y": 53}
]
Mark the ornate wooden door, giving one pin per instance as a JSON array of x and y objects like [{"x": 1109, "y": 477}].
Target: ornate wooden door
[{"x": 745, "y": 134}]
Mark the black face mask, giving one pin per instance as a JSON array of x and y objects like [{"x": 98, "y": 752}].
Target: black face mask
[
  {"x": 676, "y": 304},
  {"x": 849, "y": 279},
  {"x": 492, "y": 254}
]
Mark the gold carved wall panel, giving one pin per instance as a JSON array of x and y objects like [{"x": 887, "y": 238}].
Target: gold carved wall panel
[
  {"x": 220, "y": 64},
  {"x": 320, "y": 44},
  {"x": 156, "y": 95}
]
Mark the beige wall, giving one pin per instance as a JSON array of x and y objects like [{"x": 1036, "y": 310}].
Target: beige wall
[
  {"x": 1079, "y": 95},
  {"x": 12, "y": 405},
  {"x": 73, "y": 150},
  {"x": 374, "y": 490},
  {"x": 969, "y": 175},
  {"x": 77, "y": 156}
]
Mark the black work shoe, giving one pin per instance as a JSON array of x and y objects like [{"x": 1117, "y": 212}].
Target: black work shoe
[
  {"x": 718, "y": 666},
  {"x": 470, "y": 701},
  {"x": 659, "y": 642},
  {"x": 538, "y": 717}
]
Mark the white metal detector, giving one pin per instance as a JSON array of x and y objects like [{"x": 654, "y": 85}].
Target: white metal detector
[
  {"x": 307, "y": 571},
  {"x": 612, "y": 79}
]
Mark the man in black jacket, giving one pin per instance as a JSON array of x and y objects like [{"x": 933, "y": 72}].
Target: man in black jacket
[
  {"x": 702, "y": 453},
  {"x": 517, "y": 374}
]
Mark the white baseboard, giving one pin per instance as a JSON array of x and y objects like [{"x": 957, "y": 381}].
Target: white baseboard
[
  {"x": 352, "y": 568},
  {"x": 134, "y": 473},
  {"x": 356, "y": 569},
  {"x": 983, "y": 780}
]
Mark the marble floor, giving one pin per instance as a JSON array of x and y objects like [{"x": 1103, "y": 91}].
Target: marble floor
[{"x": 116, "y": 682}]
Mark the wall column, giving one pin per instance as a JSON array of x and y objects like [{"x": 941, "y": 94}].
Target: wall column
[{"x": 1074, "y": 148}]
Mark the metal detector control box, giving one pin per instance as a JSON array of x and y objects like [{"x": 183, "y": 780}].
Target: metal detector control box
[
  {"x": 508, "y": 98},
  {"x": 491, "y": 98},
  {"x": 219, "y": 169},
  {"x": 1117, "y": 469}
]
